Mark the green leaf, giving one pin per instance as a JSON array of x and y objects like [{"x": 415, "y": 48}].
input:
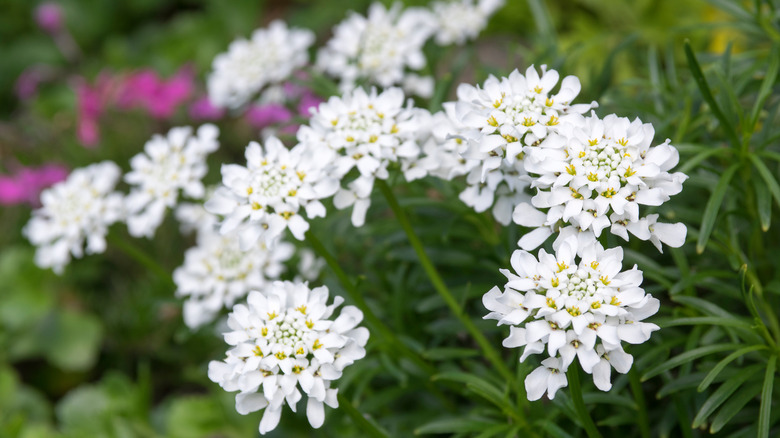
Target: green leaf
[
  {"x": 481, "y": 387},
  {"x": 769, "y": 179},
  {"x": 704, "y": 88},
  {"x": 193, "y": 416},
  {"x": 721, "y": 394},
  {"x": 454, "y": 425},
  {"x": 448, "y": 353},
  {"x": 766, "y": 85},
  {"x": 710, "y": 377},
  {"x": 730, "y": 321},
  {"x": 72, "y": 341},
  {"x": 764, "y": 204},
  {"x": 687, "y": 357},
  {"x": 713, "y": 205},
  {"x": 766, "y": 399},
  {"x": 733, "y": 405}
]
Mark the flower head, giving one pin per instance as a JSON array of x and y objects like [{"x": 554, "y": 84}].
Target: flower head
[
  {"x": 167, "y": 165},
  {"x": 502, "y": 121},
  {"x": 285, "y": 341},
  {"x": 77, "y": 209},
  {"x": 268, "y": 194},
  {"x": 462, "y": 20},
  {"x": 572, "y": 306},
  {"x": 595, "y": 173},
  {"x": 367, "y": 132},
  {"x": 378, "y": 47},
  {"x": 269, "y": 57}
]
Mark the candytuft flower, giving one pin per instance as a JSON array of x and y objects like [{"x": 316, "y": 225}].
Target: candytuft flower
[
  {"x": 461, "y": 20},
  {"x": 269, "y": 57},
  {"x": 502, "y": 121},
  {"x": 284, "y": 342},
  {"x": 594, "y": 174},
  {"x": 167, "y": 165},
  {"x": 367, "y": 132},
  {"x": 572, "y": 306},
  {"x": 378, "y": 47},
  {"x": 268, "y": 194},
  {"x": 80, "y": 208}
]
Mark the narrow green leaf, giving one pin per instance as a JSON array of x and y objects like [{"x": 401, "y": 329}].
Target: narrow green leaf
[
  {"x": 733, "y": 406},
  {"x": 766, "y": 85},
  {"x": 713, "y": 205},
  {"x": 764, "y": 203},
  {"x": 767, "y": 176},
  {"x": 710, "y": 377},
  {"x": 730, "y": 321},
  {"x": 766, "y": 398},
  {"x": 448, "y": 353},
  {"x": 453, "y": 425},
  {"x": 703, "y": 306},
  {"x": 701, "y": 82},
  {"x": 697, "y": 159},
  {"x": 481, "y": 387},
  {"x": 687, "y": 357},
  {"x": 721, "y": 394},
  {"x": 543, "y": 21}
]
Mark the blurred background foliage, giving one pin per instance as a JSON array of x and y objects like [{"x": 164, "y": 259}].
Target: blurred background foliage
[{"x": 101, "y": 351}]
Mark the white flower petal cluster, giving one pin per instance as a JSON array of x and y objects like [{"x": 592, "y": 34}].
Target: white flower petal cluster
[
  {"x": 268, "y": 194},
  {"x": 461, "y": 20},
  {"x": 216, "y": 273},
  {"x": 568, "y": 306},
  {"x": 269, "y": 57},
  {"x": 77, "y": 209},
  {"x": 377, "y": 48},
  {"x": 167, "y": 165},
  {"x": 285, "y": 342},
  {"x": 594, "y": 174},
  {"x": 366, "y": 132},
  {"x": 443, "y": 152},
  {"x": 501, "y": 121}
]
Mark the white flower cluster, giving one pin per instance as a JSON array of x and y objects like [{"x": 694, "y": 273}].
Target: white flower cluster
[
  {"x": 77, "y": 209},
  {"x": 367, "y": 132},
  {"x": 461, "y": 20},
  {"x": 283, "y": 342},
  {"x": 594, "y": 174},
  {"x": 268, "y": 194},
  {"x": 167, "y": 165},
  {"x": 497, "y": 124},
  {"x": 216, "y": 273},
  {"x": 572, "y": 306},
  {"x": 270, "y": 56},
  {"x": 384, "y": 47}
]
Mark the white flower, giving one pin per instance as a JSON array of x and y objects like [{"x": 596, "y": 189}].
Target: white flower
[
  {"x": 377, "y": 48},
  {"x": 366, "y": 132},
  {"x": 550, "y": 377},
  {"x": 167, "y": 165},
  {"x": 462, "y": 20},
  {"x": 309, "y": 266},
  {"x": 572, "y": 307},
  {"x": 269, "y": 57},
  {"x": 442, "y": 154},
  {"x": 594, "y": 174},
  {"x": 418, "y": 85},
  {"x": 270, "y": 191},
  {"x": 502, "y": 121},
  {"x": 77, "y": 209},
  {"x": 284, "y": 341},
  {"x": 216, "y": 273}
]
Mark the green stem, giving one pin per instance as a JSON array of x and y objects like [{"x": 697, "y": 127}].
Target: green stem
[
  {"x": 641, "y": 406},
  {"x": 573, "y": 375},
  {"x": 487, "y": 348},
  {"x": 368, "y": 426},
  {"x": 139, "y": 255},
  {"x": 357, "y": 298}
]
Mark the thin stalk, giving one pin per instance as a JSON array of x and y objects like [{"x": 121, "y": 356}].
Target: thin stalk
[
  {"x": 487, "y": 348},
  {"x": 139, "y": 255},
  {"x": 641, "y": 406},
  {"x": 368, "y": 426},
  {"x": 573, "y": 375}
]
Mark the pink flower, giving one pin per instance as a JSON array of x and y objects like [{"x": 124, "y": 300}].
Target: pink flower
[
  {"x": 266, "y": 115},
  {"x": 308, "y": 101},
  {"x": 27, "y": 84},
  {"x": 48, "y": 16},
  {"x": 158, "y": 97},
  {"x": 26, "y": 185},
  {"x": 202, "y": 109},
  {"x": 91, "y": 101}
]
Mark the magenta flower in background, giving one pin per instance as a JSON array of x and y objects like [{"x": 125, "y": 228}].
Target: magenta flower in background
[
  {"x": 48, "y": 16},
  {"x": 202, "y": 110},
  {"x": 26, "y": 185},
  {"x": 160, "y": 98},
  {"x": 91, "y": 102},
  {"x": 308, "y": 101},
  {"x": 266, "y": 115},
  {"x": 27, "y": 84}
]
